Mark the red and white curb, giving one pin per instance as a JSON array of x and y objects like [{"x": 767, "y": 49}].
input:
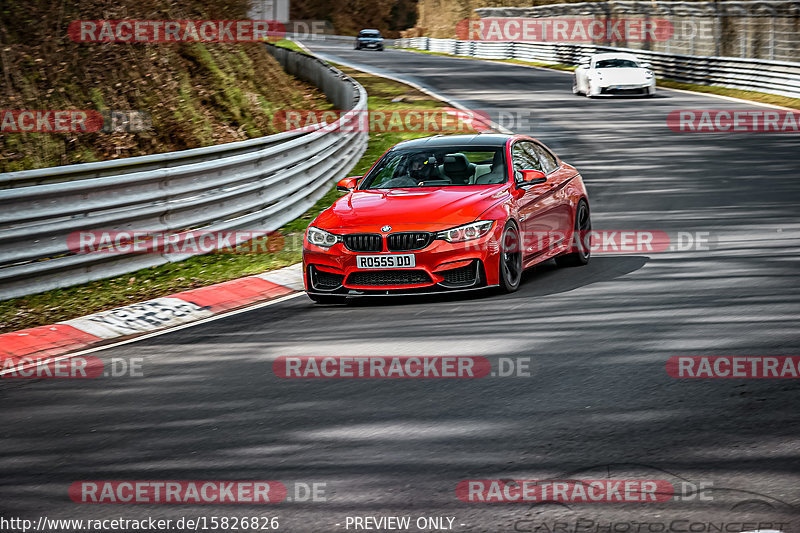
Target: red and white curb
[{"x": 146, "y": 317}]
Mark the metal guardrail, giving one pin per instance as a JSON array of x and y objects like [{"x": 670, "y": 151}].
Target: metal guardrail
[
  {"x": 772, "y": 77},
  {"x": 258, "y": 185}
]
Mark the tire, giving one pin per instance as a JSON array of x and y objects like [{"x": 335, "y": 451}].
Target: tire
[
  {"x": 583, "y": 225},
  {"x": 510, "y": 263},
  {"x": 575, "y": 90},
  {"x": 326, "y": 298}
]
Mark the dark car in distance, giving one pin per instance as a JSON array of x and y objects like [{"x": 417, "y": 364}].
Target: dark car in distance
[{"x": 369, "y": 39}]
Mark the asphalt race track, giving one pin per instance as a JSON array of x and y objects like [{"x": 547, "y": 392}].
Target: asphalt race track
[{"x": 599, "y": 402}]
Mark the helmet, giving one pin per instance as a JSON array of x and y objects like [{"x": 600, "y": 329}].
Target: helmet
[{"x": 419, "y": 166}]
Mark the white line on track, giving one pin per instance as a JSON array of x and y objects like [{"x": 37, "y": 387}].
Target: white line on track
[
  {"x": 430, "y": 92},
  {"x": 710, "y": 95}
]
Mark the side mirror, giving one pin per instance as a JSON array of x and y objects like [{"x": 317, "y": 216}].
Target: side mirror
[
  {"x": 533, "y": 177},
  {"x": 645, "y": 64},
  {"x": 347, "y": 184},
  {"x": 584, "y": 61}
]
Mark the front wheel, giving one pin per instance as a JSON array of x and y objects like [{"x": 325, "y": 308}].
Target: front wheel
[
  {"x": 580, "y": 239},
  {"x": 575, "y": 89},
  {"x": 510, "y": 264}
]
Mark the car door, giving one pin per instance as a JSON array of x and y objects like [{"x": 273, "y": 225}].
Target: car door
[
  {"x": 558, "y": 177},
  {"x": 537, "y": 206}
]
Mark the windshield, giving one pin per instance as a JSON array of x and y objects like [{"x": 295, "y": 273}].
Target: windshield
[
  {"x": 372, "y": 34},
  {"x": 440, "y": 167},
  {"x": 616, "y": 63}
]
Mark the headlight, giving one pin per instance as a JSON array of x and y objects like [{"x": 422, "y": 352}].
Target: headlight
[
  {"x": 649, "y": 75},
  {"x": 320, "y": 237},
  {"x": 467, "y": 232}
]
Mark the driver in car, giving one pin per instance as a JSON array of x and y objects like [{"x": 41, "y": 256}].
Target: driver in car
[{"x": 420, "y": 168}]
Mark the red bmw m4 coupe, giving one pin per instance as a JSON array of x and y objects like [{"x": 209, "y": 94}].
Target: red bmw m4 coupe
[{"x": 448, "y": 213}]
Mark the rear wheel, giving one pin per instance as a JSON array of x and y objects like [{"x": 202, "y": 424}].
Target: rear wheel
[
  {"x": 583, "y": 225},
  {"x": 510, "y": 268}
]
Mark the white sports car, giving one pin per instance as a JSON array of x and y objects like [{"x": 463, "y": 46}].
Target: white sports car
[{"x": 613, "y": 73}]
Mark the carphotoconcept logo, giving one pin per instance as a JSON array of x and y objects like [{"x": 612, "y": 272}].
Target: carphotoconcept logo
[{"x": 675, "y": 525}]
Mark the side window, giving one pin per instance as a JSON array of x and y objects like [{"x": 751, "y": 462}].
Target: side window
[
  {"x": 548, "y": 161},
  {"x": 523, "y": 156}
]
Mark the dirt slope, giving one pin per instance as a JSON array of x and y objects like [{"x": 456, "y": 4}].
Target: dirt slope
[{"x": 197, "y": 94}]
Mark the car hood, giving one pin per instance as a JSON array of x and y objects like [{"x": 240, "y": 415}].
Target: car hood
[
  {"x": 622, "y": 76},
  {"x": 408, "y": 209}
]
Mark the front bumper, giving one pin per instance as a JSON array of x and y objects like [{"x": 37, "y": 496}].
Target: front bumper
[
  {"x": 370, "y": 44},
  {"x": 440, "y": 267},
  {"x": 631, "y": 89}
]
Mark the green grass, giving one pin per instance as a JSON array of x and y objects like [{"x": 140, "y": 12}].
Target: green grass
[
  {"x": 753, "y": 96},
  {"x": 554, "y": 66},
  {"x": 199, "y": 271},
  {"x": 291, "y": 45}
]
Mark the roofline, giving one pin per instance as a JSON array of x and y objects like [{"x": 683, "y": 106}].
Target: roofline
[{"x": 491, "y": 139}]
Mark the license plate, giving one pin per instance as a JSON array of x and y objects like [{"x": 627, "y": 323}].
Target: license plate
[{"x": 366, "y": 262}]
